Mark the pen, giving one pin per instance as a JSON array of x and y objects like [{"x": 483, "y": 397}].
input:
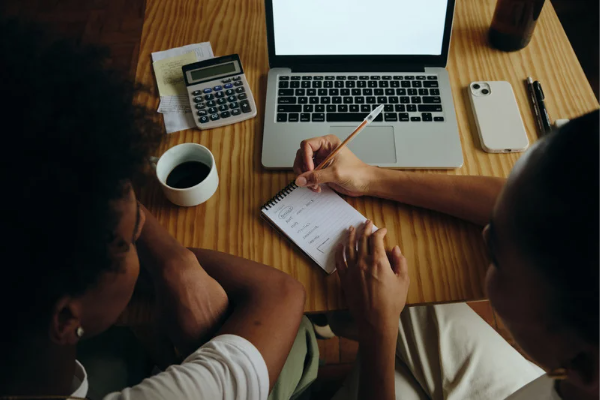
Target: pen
[
  {"x": 534, "y": 103},
  {"x": 359, "y": 128},
  {"x": 544, "y": 117}
]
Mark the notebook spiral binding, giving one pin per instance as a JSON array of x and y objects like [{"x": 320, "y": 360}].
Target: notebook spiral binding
[{"x": 279, "y": 196}]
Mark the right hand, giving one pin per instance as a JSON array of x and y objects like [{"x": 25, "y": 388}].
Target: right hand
[
  {"x": 375, "y": 286},
  {"x": 346, "y": 173}
]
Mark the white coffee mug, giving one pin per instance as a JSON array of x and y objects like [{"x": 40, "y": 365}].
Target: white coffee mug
[{"x": 194, "y": 195}]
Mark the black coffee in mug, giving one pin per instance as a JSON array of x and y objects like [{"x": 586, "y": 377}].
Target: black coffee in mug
[{"x": 187, "y": 174}]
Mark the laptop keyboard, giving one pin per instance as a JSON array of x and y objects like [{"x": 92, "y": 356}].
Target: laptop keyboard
[{"x": 325, "y": 98}]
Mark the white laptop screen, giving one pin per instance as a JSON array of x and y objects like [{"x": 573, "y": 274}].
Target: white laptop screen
[{"x": 358, "y": 27}]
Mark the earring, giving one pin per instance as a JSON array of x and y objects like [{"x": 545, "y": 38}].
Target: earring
[
  {"x": 558, "y": 374},
  {"x": 79, "y": 332}
]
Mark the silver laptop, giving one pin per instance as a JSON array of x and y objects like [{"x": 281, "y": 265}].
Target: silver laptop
[{"x": 334, "y": 61}]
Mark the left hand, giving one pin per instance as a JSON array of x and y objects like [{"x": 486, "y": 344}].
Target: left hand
[{"x": 375, "y": 286}]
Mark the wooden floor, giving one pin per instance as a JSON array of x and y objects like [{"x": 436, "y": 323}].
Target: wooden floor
[{"x": 117, "y": 24}]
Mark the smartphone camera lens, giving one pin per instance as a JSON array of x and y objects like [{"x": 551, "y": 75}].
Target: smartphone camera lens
[
  {"x": 476, "y": 86},
  {"x": 485, "y": 91}
]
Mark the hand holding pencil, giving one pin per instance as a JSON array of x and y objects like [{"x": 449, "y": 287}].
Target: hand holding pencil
[{"x": 327, "y": 160}]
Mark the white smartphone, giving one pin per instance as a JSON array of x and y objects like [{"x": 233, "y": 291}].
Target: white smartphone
[{"x": 497, "y": 116}]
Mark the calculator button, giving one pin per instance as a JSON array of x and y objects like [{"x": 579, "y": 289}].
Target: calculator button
[
  {"x": 243, "y": 96},
  {"x": 221, "y": 101},
  {"x": 284, "y": 78},
  {"x": 226, "y": 80},
  {"x": 225, "y": 114},
  {"x": 198, "y": 99},
  {"x": 214, "y": 117},
  {"x": 211, "y": 103},
  {"x": 212, "y": 110},
  {"x": 241, "y": 90},
  {"x": 200, "y": 106},
  {"x": 207, "y": 90},
  {"x": 282, "y": 117},
  {"x": 223, "y": 107},
  {"x": 234, "y": 105},
  {"x": 237, "y": 78},
  {"x": 238, "y": 83},
  {"x": 231, "y": 98},
  {"x": 203, "y": 120},
  {"x": 245, "y": 106},
  {"x": 209, "y": 96},
  {"x": 202, "y": 113},
  {"x": 219, "y": 95},
  {"x": 229, "y": 92},
  {"x": 236, "y": 111},
  {"x": 216, "y": 88},
  {"x": 196, "y": 92}
]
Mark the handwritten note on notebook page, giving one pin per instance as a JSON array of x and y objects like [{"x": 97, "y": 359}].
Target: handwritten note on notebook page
[{"x": 316, "y": 222}]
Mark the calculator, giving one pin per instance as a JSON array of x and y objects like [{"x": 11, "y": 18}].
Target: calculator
[{"x": 219, "y": 92}]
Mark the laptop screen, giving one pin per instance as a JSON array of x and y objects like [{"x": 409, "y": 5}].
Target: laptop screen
[{"x": 358, "y": 27}]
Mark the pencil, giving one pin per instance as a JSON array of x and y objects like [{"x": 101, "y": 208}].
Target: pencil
[{"x": 359, "y": 128}]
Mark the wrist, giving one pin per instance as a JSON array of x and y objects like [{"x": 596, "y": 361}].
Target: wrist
[
  {"x": 384, "y": 181},
  {"x": 381, "y": 333}
]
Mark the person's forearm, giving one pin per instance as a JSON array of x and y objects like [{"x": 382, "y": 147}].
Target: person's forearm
[
  {"x": 467, "y": 197},
  {"x": 267, "y": 305},
  {"x": 377, "y": 365},
  {"x": 190, "y": 304}
]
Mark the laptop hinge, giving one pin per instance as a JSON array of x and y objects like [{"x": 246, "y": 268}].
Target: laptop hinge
[{"x": 357, "y": 68}]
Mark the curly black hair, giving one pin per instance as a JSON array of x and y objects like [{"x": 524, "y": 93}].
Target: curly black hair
[{"x": 72, "y": 141}]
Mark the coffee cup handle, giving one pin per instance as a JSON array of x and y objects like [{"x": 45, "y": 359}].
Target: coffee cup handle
[{"x": 153, "y": 161}]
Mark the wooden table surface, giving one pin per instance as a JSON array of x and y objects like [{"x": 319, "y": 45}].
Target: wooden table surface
[{"x": 446, "y": 256}]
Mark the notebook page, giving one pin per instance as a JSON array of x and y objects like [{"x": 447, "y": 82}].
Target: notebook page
[{"x": 316, "y": 222}]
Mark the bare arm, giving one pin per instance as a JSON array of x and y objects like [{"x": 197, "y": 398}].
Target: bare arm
[
  {"x": 267, "y": 305},
  {"x": 468, "y": 197},
  {"x": 191, "y": 305},
  {"x": 471, "y": 198}
]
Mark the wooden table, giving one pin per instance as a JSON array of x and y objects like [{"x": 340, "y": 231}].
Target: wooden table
[{"x": 446, "y": 256}]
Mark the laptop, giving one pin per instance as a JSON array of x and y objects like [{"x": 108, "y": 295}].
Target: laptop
[{"x": 332, "y": 62}]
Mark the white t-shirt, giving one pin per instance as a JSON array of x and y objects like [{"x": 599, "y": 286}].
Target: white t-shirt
[
  {"x": 228, "y": 367},
  {"x": 541, "y": 388}
]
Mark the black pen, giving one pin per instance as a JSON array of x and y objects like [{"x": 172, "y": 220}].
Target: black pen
[
  {"x": 534, "y": 103},
  {"x": 544, "y": 117}
]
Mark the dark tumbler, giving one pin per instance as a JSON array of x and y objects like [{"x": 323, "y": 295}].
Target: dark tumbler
[{"x": 513, "y": 23}]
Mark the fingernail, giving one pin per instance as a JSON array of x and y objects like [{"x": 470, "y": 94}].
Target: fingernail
[
  {"x": 344, "y": 253},
  {"x": 351, "y": 229},
  {"x": 301, "y": 181},
  {"x": 367, "y": 222}
]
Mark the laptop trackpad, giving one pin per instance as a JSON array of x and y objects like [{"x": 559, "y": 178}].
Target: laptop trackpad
[{"x": 373, "y": 145}]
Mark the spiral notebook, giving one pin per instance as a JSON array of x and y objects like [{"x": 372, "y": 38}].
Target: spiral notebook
[{"x": 315, "y": 222}]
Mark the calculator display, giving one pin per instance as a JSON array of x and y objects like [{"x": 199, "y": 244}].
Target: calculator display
[{"x": 212, "y": 71}]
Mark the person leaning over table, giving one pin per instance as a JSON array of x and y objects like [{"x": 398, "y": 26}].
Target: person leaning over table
[
  {"x": 541, "y": 230},
  {"x": 74, "y": 237}
]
